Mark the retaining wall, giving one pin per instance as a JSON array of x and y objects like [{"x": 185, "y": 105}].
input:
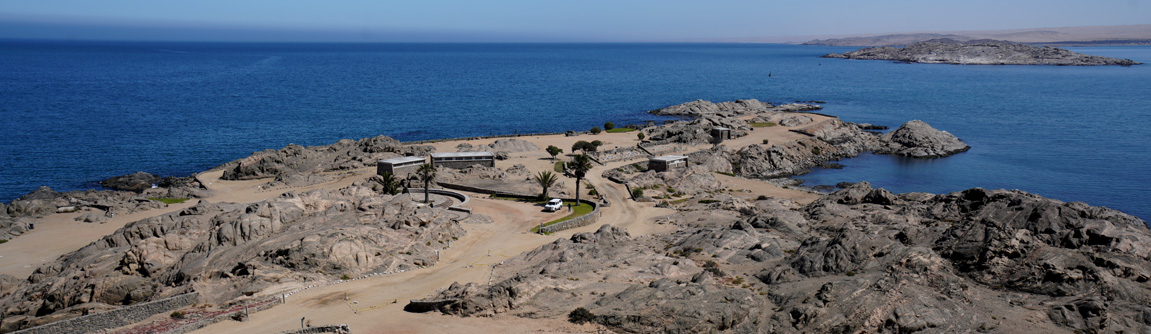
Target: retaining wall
[
  {"x": 585, "y": 220},
  {"x": 120, "y": 317},
  {"x": 464, "y": 199}
]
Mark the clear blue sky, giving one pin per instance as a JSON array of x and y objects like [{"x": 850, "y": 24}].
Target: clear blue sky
[{"x": 539, "y": 20}]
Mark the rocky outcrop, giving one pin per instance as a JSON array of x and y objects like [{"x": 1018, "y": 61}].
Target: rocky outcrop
[
  {"x": 137, "y": 182},
  {"x": 295, "y": 159},
  {"x": 919, "y": 140},
  {"x": 831, "y": 140},
  {"x": 729, "y": 108},
  {"x": 980, "y": 52},
  {"x": 224, "y": 251},
  {"x": 859, "y": 259}
]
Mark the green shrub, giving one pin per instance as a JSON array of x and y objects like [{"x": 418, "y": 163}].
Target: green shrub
[
  {"x": 816, "y": 150},
  {"x": 765, "y": 141},
  {"x": 763, "y": 124},
  {"x": 608, "y": 126},
  {"x": 640, "y": 135},
  {"x": 595, "y": 130},
  {"x": 345, "y": 277},
  {"x": 178, "y": 315},
  {"x": 581, "y": 316},
  {"x": 708, "y": 201},
  {"x": 3, "y": 241},
  {"x": 761, "y": 197},
  {"x": 636, "y": 193}
]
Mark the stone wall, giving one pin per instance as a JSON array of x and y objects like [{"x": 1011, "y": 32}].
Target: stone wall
[
  {"x": 337, "y": 329},
  {"x": 123, "y": 316},
  {"x": 463, "y": 199},
  {"x": 584, "y": 220}
]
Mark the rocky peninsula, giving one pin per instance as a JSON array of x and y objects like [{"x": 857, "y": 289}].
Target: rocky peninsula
[
  {"x": 980, "y": 52},
  {"x": 712, "y": 247}
]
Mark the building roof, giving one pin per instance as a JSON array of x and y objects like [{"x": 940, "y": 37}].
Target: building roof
[
  {"x": 720, "y": 128},
  {"x": 462, "y": 154},
  {"x": 669, "y": 158},
  {"x": 401, "y": 160}
]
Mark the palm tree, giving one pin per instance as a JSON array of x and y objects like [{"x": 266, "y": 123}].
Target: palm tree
[
  {"x": 391, "y": 186},
  {"x": 427, "y": 174},
  {"x": 579, "y": 166},
  {"x": 546, "y": 179}
]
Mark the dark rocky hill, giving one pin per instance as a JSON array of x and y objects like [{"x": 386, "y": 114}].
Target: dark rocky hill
[
  {"x": 857, "y": 260},
  {"x": 980, "y": 52}
]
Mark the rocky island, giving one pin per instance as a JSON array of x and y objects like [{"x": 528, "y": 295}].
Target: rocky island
[
  {"x": 285, "y": 237},
  {"x": 980, "y": 52}
]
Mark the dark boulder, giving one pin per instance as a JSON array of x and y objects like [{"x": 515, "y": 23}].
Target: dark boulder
[{"x": 137, "y": 182}]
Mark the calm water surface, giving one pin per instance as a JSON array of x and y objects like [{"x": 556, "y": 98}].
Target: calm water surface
[{"x": 75, "y": 113}]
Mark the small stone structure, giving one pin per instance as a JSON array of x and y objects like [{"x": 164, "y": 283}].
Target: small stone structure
[
  {"x": 460, "y": 160},
  {"x": 719, "y": 134},
  {"x": 400, "y": 167},
  {"x": 667, "y": 162}
]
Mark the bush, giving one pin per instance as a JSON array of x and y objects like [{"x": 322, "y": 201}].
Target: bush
[
  {"x": 636, "y": 193},
  {"x": 765, "y": 141},
  {"x": 581, "y": 316},
  {"x": 595, "y": 130},
  {"x": 761, "y": 198},
  {"x": 816, "y": 150},
  {"x": 608, "y": 126},
  {"x": 345, "y": 277},
  {"x": 178, "y": 315},
  {"x": 640, "y": 135}
]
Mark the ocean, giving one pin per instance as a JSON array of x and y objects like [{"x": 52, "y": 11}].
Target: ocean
[{"x": 74, "y": 113}]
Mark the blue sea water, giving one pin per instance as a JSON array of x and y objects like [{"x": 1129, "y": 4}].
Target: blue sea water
[{"x": 74, "y": 113}]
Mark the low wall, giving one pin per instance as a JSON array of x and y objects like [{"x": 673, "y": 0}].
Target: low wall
[
  {"x": 120, "y": 317},
  {"x": 336, "y": 329},
  {"x": 463, "y": 199},
  {"x": 226, "y": 314},
  {"x": 585, "y": 220}
]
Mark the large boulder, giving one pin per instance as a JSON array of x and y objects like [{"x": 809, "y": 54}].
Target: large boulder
[
  {"x": 920, "y": 140},
  {"x": 137, "y": 182}
]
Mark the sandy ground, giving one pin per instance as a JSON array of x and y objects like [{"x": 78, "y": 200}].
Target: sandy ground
[{"x": 374, "y": 305}]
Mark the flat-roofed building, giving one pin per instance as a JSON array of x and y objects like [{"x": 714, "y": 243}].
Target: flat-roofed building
[
  {"x": 400, "y": 167},
  {"x": 460, "y": 160},
  {"x": 667, "y": 162}
]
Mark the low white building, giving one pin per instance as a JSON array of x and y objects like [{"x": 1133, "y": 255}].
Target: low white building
[
  {"x": 667, "y": 162},
  {"x": 400, "y": 167}
]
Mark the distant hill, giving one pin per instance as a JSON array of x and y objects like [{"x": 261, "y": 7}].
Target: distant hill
[
  {"x": 980, "y": 52},
  {"x": 1067, "y": 36}
]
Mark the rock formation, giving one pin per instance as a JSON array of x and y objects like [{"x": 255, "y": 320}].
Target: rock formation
[
  {"x": 859, "y": 259},
  {"x": 920, "y": 140},
  {"x": 980, "y": 52},
  {"x": 295, "y": 159},
  {"x": 729, "y": 108},
  {"x": 224, "y": 251},
  {"x": 137, "y": 182}
]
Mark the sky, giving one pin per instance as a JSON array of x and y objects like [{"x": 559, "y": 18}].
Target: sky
[{"x": 539, "y": 20}]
